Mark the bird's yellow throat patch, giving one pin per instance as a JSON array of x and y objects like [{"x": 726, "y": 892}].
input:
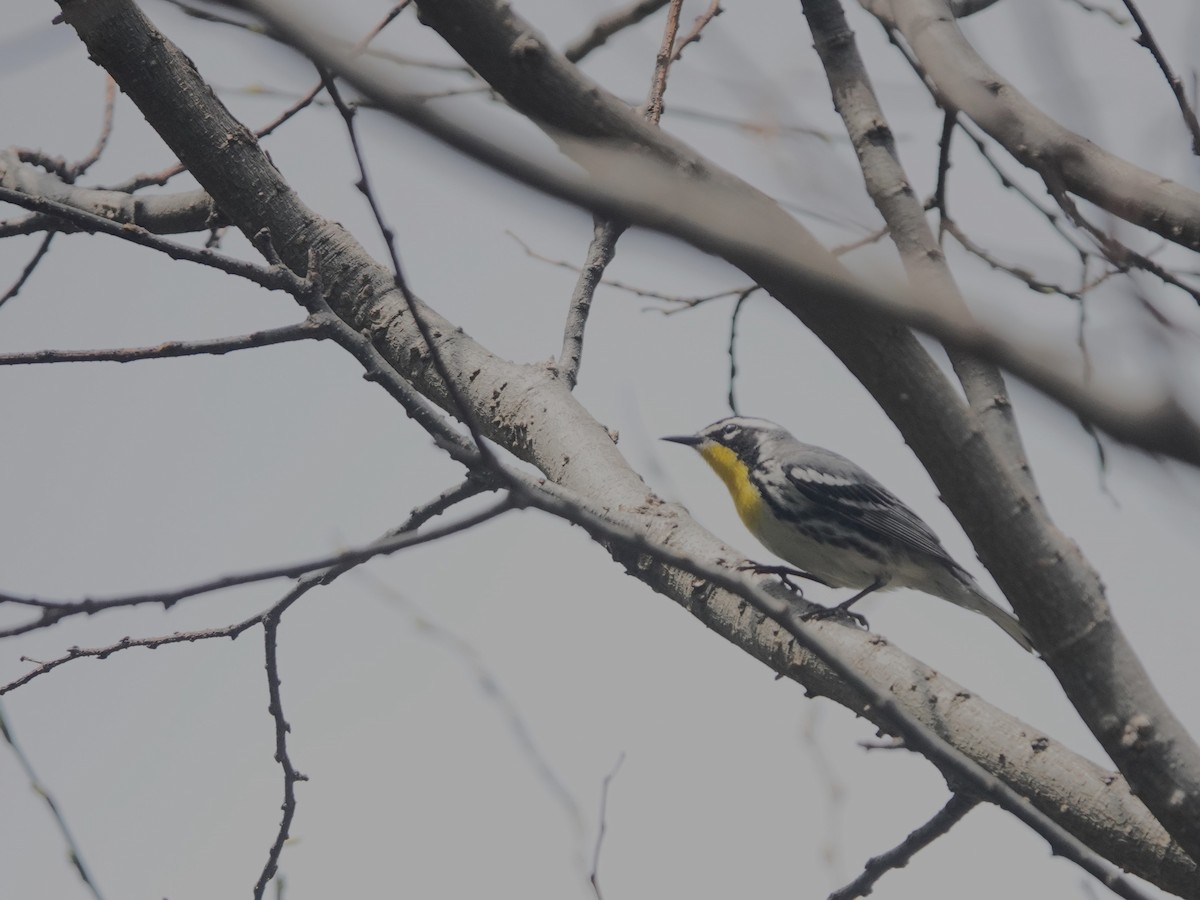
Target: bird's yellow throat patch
[{"x": 737, "y": 478}]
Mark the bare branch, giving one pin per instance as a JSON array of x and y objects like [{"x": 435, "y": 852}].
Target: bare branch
[
  {"x": 733, "y": 320},
  {"x": 56, "y": 610},
  {"x": 110, "y": 99},
  {"x": 309, "y": 329},
  {"x": 605, "y": 234},
  {"x": 966, "y": 83},
  {"x": 602, "y": 826},
  {"x": 898, "y": 857},
  {"x": 30, "y": 267},
  {"x": 696, "y": 31},
  {"x": 39, "y": 788},
  {"x": 290, "y": 775},
  {"x": 458, "y": 405},
  {"x": 662, "y": 64},
  {"x": 86, "y": 221},
  {"x": 609, "y": 25},
  {"x": 1146, "y": 39}
]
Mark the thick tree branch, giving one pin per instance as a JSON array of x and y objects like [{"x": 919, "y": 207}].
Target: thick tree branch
[{"x": 890, "y": 190}]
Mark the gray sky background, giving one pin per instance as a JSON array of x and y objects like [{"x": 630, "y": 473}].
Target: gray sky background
[{"x": 156, "y": 474}]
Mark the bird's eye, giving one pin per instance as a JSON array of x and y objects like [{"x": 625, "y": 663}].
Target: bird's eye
[{"x": 730, "y": 430}]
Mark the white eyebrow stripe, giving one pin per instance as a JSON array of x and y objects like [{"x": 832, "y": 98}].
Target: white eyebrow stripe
[{"x": 804, "y": 473}]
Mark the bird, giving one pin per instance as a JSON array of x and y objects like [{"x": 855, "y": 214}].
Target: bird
[{"x": 828, "y": 517}]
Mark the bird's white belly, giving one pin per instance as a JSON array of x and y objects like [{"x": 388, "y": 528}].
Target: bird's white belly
[{"x": 832, "y": 557}]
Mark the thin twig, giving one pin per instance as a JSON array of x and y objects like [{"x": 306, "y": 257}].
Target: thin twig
[
  {"x": 677, "y": 299},
  {"x": 873, "y": 238},
  {"x": 419, "y": 516},
  {"x": 290, "y": 775},
  {"x": 76, "y": 855},
  {"x": 1146, "y": 39},
  {"x": 56, "y": 610},
  {"x": 602, "y": 826},
  {"x": 271, "y": 279},
  {"x": 898, "y": 857},
  {"x": 165, "y": 175},
  {"x": 309, "y": 329},
  {"x": 733, "y": 323},
  {"x": 940, "y": 193},
  {"x": 461, "y": 409},
  {"x": 698, "y": 26},
  {"x": 106, "y": 123},
  {"x": 606, "y": 232},
  {"x": 609, "y": 25},
  {"x": 30, "y": 266},
  {"x": 949, "y": 226}
]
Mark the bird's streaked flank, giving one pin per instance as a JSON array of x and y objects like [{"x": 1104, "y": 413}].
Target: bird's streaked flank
[{"x": 826, "y": 516}]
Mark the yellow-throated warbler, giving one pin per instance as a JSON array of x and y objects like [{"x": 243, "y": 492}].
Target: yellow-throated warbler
[{"x": 823, "y": 514}]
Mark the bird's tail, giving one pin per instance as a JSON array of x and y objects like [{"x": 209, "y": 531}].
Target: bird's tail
[{"x": 960, "y": 588}]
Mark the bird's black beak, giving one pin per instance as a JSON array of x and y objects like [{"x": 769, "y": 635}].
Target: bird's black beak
[{"x": 691, "y": 440}]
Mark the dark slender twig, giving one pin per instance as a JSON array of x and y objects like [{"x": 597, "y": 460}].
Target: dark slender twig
[
  {"x": 461, "y": 408},
  {"x": 946, "y": 225},
  {"x": 898, "y": 857},
  {"x": 609, "y": 25},
  {"x": 1146, "y": 39},
  {"x": 602, "y": 826},
  {"x": 940, "y": 193},
  {"x": 30, "y": 266},
  {"x": 419, "y": 516},
  {"x": 309, "y": 329},
  {"x": 290, "y": 774},
  {"x": 268, "y": 278},
  {"x": 56, "y": 610},
  {"x": 733, "y": 323},
  {"x": 76, "y": 855},
  {"x": 1115, "y": 251},
  {"x": 43, "y": 667}
]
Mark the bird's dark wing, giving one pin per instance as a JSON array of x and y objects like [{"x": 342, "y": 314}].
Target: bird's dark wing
[{"x": 859, "y": 500}]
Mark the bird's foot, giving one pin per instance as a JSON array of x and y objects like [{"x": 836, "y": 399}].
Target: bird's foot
[
  {"x": 785, "y": 573},
  {"x": 835, "y": 612}
]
